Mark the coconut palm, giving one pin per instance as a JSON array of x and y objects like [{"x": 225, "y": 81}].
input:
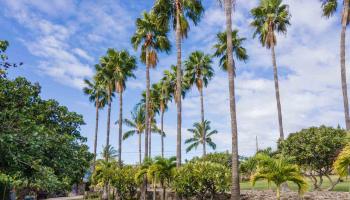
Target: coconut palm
[
  {"x": 278, "y": 171},
  {"x": 104, "y": 76},
  {"x": 162, "y": 170},
  {"x": 137, "y": 123},
  {"x": 164, "y": 97},
  {"x": 271, "y": 16},
  {"x": 152, "y": 36},
  {"x": 178, "y": 12},
  {"x": 199, "y": 72},
  {"x": 97, "y": 94},
  {"x": 329, "y": 7},
  {"x": 237, "y": 48},
  {"x": 122, "y": 65},
  {"x": 228, "y": 5},
  {"x": 342, "y": 163},
  {"x": 198, "y": 130}
]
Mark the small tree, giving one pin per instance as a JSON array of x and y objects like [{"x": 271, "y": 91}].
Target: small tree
[
  {"x": 278, "y": 171},
  {"x": 342, "y": 163},
  {"x": 124, "y": 182}
]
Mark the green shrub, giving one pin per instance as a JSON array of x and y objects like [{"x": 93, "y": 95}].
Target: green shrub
[
  {"x": 125, "y": 183},
  {"x": 201, "y": 179}
]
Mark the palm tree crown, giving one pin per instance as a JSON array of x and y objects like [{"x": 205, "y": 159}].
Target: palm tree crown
[
  {"x": 197, "y": 138},
  {"x": 137, "y": 122},
  {"x": 198, "y": 69},
  {"x": 237, "y": 48},
  {"x": 270, "y": 16},
  {"x": 96, "y": 92}
]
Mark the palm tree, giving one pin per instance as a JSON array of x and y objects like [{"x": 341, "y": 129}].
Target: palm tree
[
  {"x": 109, "y": 152},
  {"x": 177, "y": 12},
  {"x": 164, "y": 97},
  {"x": 162, "y": 170},
  {"x": 199, "y": 71},
  {"x": 271, "y": 16},
  {"x": 342, "y": 163},
  {"x": 105, "y": 76},
  {"x": 153, "y": 37},
  {"x": 170, "y": 78},
  {"x": 137, "y": 123},
  {"x": 226, "y": 54},
  {"x": 121, "y": 64},
  {"x": 237, "y": 48},
  {"x": 278, "y": 171},
  {"x": 198, "y": 130},
  {"x": 97, "y": 94},
  {"x": 103, "y": 175},
  {"x": 329, "y": 8}
]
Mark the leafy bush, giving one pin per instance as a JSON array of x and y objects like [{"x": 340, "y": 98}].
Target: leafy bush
[
  {"x": 124, "y": 181},
  {"x": 223, "y": 158},
  {"x": 200, "y": 179}
]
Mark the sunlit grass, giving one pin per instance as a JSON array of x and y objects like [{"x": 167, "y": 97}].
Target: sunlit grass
[{"x": 262, "y": 185}]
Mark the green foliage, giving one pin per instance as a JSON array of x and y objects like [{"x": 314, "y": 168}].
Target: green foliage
[
  {"x": 162, "y": 170},
  {"x": 314, "y": 148},
  {"x": 223, "y": 158},
  {"x": 4, "y": 64},
  {"x": 104, "y": 172},
  {"x": 278, "y": 170},
  {"x": 40, "y": 142},
  {"x": 197, "y": 137},
  {"x": 124, "y": 181},
  {"x": 329, "y": 7},
  {"x": 342, "y": 163},
  {"x": 200, "y": 179}
]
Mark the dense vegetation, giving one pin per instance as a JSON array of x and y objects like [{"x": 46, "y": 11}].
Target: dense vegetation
[{"x": 40, "y": 143}]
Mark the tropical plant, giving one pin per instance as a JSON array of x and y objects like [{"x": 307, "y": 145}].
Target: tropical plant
[
  {"x": 329, "y": 7},
  {"x": 199, "y": 72},
  {"x": 223, "y": 158},
  {"x": 109, "y": 152},
  {"x": 162, "y": 171},
  {"x": 237, "y": 48},
  {"x": 153, "y": 37},
  {"x": 4, "y": 64},
  {"x": 202, "y": 180},
  {"x": 177, "y": 13},
  {"x": 137, "y": 123},
  {"x": 164, "y": 97},
  {"x": 230, "y": 67},
  {"x": 123, "y": 180},
  {"x": 103, "y": 175},
  {"x": 278, "y": 171},
  {"x": 271, "y": 16},
  {"x": 121, "y": 64},
  {"x": 98, "y": 95},
  {"x": 104, "y": 75},
  {"x": 315, "y": 150},
  {"x": 198, "y": 139},
  {"x": 342, "y": 163}
]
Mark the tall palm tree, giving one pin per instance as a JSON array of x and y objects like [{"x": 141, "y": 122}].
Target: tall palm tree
[
  {"x": 178, "y": 12},
  {"x": 137, "y": 123},
  {"x": 199, "y": 71},
  {"x": 152, "y": 36},
  {"x": 278, "y": 171},
  {"x": 199, "y": 129},
  {"x": 97, "y": 94},
  {"x": 229, "y": 43},
  {"x": 164, "y": 97},
  {"x": 329, "y": 8},
  {"x": 237, "y": 48},
  {"x": 122, "y": 65},
  {"x": 271, "y": 16},
  {"x": 105, "y": 76}
]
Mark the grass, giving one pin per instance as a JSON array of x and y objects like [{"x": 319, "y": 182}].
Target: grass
[{"x": 262, "y": 185}]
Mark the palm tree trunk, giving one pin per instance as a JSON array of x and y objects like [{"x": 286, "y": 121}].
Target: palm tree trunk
[
  {"x": 277, "y": 90},
  {"x": 235, "y": 189},
  {"x": 154, "y": 189},
  {"x": 150, "y": 137},
  {"x": 108, "y": 118},
  {"x": 96, "y": 133},
  {"x": 342, "y": 64},
  {"x": 202, "y": 119},
  {"x": 178, "y": 84},
  {"x": 278, "y": 191},
  {"x": 120, "y": 127},
  {"x": 140, "y": 156},
  {"x": 162, "y": 132}
]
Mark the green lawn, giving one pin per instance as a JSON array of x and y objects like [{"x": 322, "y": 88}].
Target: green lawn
[{"x": 262, "y": 185}]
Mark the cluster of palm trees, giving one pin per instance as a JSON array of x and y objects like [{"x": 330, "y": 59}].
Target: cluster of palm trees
[{"x": 151, "y": 37}]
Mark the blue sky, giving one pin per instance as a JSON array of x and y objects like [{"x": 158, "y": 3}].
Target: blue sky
[{"x": 59, "y": 42}]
